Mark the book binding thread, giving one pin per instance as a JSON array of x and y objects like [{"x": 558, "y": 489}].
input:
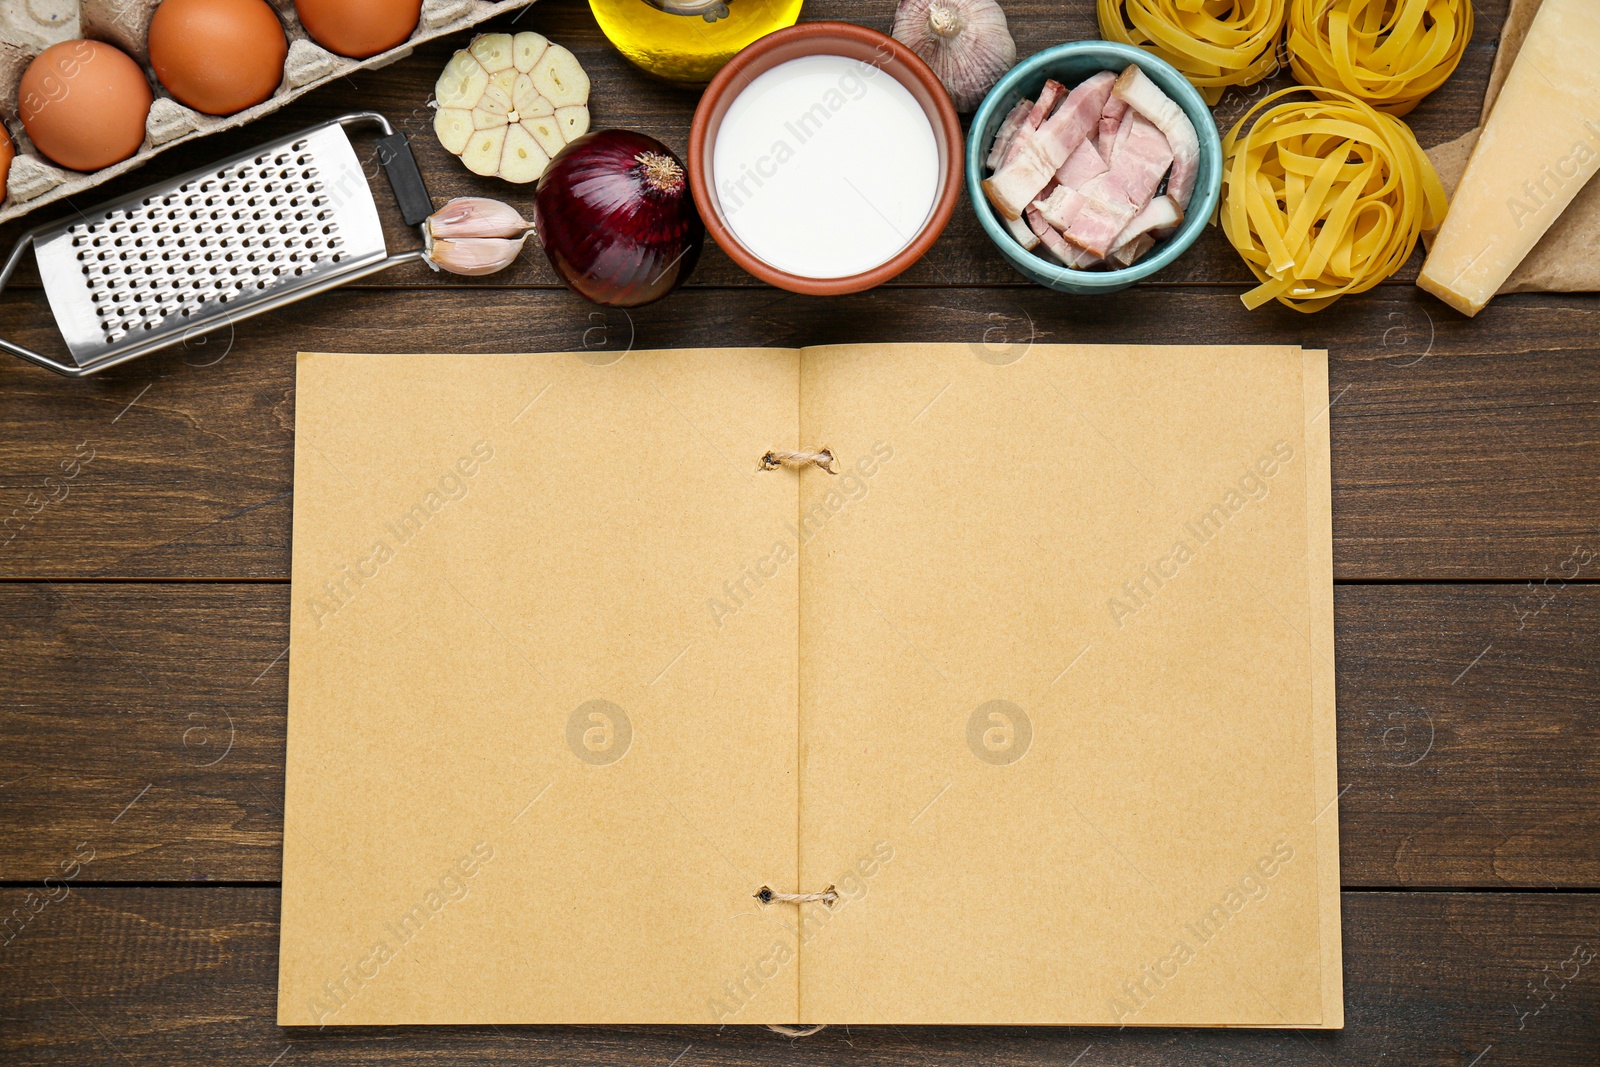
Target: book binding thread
[
  {"x": 783, "y": 457},
  {"x": 768, "y": 895}
]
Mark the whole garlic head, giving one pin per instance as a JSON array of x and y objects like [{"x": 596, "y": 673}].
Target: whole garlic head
[{"x": 966, "y": 42}]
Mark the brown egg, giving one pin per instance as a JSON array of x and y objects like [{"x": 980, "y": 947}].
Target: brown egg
[
  {"x": 6, "y": 154},
  {"x": 83, "y": 104},
  {"x": 358, "y": 28},
  {"x": 217, "y": 56}
]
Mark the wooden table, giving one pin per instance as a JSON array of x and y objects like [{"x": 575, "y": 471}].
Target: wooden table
[{"x": 144, "y": 627}]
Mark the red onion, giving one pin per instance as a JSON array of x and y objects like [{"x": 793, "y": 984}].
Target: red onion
[{"x": 615, "y": 217}]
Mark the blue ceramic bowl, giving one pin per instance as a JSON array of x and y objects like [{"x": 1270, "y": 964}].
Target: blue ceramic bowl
[{"x": 1070, "y": 64}]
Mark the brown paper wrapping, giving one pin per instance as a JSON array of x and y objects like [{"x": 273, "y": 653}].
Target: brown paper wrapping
[{"x": 1566, "y": 260}]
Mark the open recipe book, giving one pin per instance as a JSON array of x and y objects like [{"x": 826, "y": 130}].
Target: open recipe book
[{"x": 1036, "y": 692}]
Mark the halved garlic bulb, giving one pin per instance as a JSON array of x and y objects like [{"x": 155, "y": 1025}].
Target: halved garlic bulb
[{"x": 508, "y": 103}]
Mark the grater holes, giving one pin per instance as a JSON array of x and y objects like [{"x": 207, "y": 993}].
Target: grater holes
[{"x": 219, "y": 239}]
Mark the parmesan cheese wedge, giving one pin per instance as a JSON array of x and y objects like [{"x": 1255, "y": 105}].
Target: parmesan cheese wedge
[{"x": 1539, "y": 147}]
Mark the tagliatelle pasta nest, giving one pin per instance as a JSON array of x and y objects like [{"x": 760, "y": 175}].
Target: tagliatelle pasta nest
[
  {"x": 1324, "y": 197},
  {"x": 1213, "y": 43},
  {"x": 1389, "y": 53}
]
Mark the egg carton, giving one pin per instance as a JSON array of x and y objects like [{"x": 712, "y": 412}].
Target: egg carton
[{"x": 26, "y": 29}]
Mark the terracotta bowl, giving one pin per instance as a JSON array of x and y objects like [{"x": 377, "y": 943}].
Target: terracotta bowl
[{"x": 836, "y": 39}]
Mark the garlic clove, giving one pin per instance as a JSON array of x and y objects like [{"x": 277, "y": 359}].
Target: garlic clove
[
  {"x": 462, "y": 82},
  {"x": 574, "y": 121},
  {"x": 482, "y": 155},
  {"x": 493, "y": 51},
  {"x": 559, "y": 77},
  {"x": 524, "y": 158},
  {"x": 476, "y": 216},
  {"x": 453, "y": 126},
  {"x": 966, "y": 42},
  {"x": 526, "y": 48},
  {"x": 473, "y": 255},
  {"x": 547, "y": 131}
]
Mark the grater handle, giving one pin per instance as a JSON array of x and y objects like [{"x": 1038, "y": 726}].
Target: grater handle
[
  {"x": 394, "y": 152},
  {"x": 14, "y": 349},
  {"x": 399, "y": 165}
]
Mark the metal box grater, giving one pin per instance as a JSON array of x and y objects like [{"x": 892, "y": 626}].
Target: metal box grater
[{"x": 257, "y": 231}]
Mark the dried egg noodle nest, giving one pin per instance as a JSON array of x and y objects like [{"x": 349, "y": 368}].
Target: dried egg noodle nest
[
  {"x": 507, "y": 104},
  {"x": 1324, "y": 197},
  {"x": 1213, "y": 43},
  {"x": 1390, "y": 53}
]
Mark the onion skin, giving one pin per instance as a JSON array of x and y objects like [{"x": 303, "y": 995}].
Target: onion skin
[{"x": 615, "y": 217}]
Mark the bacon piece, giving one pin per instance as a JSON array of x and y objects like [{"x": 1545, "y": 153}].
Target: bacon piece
[
  {"x": 1133, "y": 251},
  {"x": 1145, "y": 97},
  {"x": 1107, "y": 208},
  {"x": 1110, "y": 120},
  {"x": 1138, "y": 236},
  {"x": 1007, "y": 132},
  {"x": 1057, "y": 248},
  {"x": 1048, "y": 96},
  {"x": 1142, "y": 156},
  {"x": 1023, "y": 233},
  {"x": 1060, "y": 207},
  {"x": 1037, "y": 113},
  {"x": 1038, "y": 154},
  {"x": 1124, "y": 128},
  {"x": 1083, "y": 164}
]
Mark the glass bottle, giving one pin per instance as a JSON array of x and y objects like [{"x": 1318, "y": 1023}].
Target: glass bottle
[{"x": 688, "y": 41}]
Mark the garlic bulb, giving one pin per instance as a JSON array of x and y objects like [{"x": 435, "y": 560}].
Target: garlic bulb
[
  {"x": 473, "y": 235},
  {"x": 508, "y": 103},
  {"x": 966, "y": 42}
]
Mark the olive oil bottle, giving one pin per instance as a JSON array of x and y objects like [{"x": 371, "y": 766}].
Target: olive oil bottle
[{"x": 688, "y": 41}]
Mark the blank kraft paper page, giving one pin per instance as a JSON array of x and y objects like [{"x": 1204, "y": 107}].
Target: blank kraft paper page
[
  {"x": 530, "y": 778},
  {"x": 1066, "y": 683}
]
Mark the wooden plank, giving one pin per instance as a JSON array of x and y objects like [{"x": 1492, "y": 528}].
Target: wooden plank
[
  {"x": 1469, "y": 733},
  {"x": 1461, "y": 448},
  {"x": 178, "y": 976},
  {"x": 624, "y": 96},
  {"x": 148, "y": 721}
]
